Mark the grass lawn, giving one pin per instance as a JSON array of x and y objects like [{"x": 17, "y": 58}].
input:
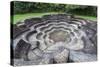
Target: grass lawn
[
  {"x": 88, "y": 17},
  {"x": 21, "y": 17}
]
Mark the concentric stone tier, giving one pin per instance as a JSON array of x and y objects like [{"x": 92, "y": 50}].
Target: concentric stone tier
[{"x": 57, "y": 38}]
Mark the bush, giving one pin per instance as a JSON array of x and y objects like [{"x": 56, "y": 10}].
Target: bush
[{"x": 28, "y": 7}]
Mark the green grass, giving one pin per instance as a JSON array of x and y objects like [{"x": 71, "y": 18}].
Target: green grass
[
  {"x": 21, "y": 17},
  {"x": 88, "y": 17}
]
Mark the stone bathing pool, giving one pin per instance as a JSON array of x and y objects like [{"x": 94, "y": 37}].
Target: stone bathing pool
[{"x": 57, "y": 38}]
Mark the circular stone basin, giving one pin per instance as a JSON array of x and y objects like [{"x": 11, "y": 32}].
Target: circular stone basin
[{"x": 58, "y": 36}]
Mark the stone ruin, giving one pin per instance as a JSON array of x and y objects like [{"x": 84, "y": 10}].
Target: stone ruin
[{"x": 52, "y": 39}]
